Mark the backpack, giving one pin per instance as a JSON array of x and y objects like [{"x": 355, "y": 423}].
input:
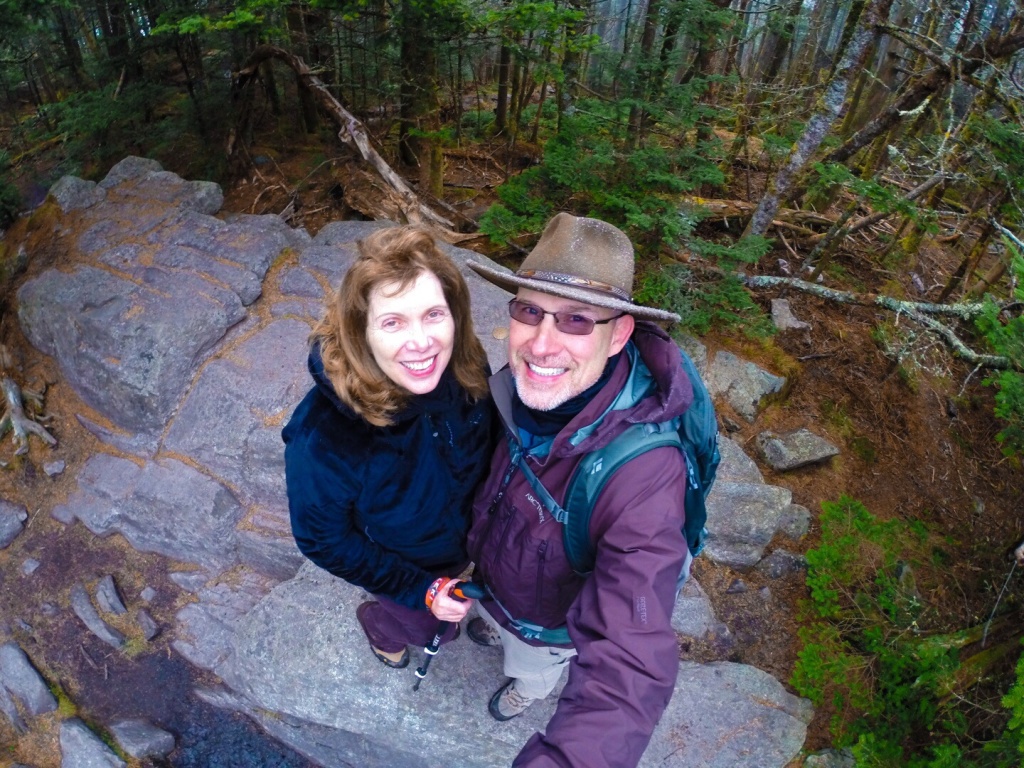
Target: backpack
[{"x": 695, "y": 433}]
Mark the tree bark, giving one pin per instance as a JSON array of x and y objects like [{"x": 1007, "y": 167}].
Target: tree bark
[
  {"x": 820, "y": 122},
  {"x": 995, "y": 47}
]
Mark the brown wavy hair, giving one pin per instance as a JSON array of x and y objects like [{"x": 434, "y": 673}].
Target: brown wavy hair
[{"x": 393, "y": 255}]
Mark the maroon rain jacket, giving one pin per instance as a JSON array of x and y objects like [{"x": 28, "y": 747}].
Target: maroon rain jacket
[{"x": 618, "y": 617}]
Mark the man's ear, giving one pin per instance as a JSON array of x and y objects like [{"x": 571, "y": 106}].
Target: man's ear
[{"x": 621, "y": 331}]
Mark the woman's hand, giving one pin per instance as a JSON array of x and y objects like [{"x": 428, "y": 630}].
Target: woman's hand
[{"x": 443, "y": 604}]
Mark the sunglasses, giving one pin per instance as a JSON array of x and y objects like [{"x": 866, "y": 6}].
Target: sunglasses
[{"x": 567, "y": 322}]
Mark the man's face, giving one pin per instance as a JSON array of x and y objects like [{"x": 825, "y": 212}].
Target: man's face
[{"x": 551, "y": 367}]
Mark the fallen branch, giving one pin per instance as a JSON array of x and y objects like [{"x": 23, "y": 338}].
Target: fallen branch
[
  {"x": 918, "y": 311},
  {"x": 15, "y": 419},
  {"x": 962, "y": 311},
  {"x": 351, "y": 132}
]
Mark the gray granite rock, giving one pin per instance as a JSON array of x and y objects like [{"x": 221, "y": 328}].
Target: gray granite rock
[
  {"x": 694, "y": 616},
  {"x": 166, "y": 507},
  {"x": 81, "y": 748},
  {"x": 72, "y": 193},
  {"x": 108, "y": 598},
  {"x": 190, "y": 581},
  {"x": 131, "y": 168},
  {"x": 148, "y": 594},
  {"x": 795, "y": 522},
  {"x": 29, "y": 566},
  {"x": 86, "y": 611},
  {"x": 831, "y": 758},
  {"x": 12, "y": 521},
  {"x": 296, "y": 281},
  {"x": 24, "y": 682},
  {"x": 742, "y": 518},
  {"x": 736, "y": 466},
  {"x": 791, "y": 450},
  {"x": 264, "y": 655},
  {"x": 784, "y": 318},
  {"x": 743, "y": 384},
  {"x": 782, "y": 563},
  {"x": 142, "y": 739},
  {"x": 127, "y": 347},
  {"x": 54, "y": 468},
  {"x": 239, "y": 439},
  {"x": 10, "y": 711},
  {"x": 237, "y": 277},
  {"x": 696, "y": 350},
  {"x": 147, "y": 624}
]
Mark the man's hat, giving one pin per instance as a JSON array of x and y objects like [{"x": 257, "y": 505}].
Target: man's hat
[{"x": 587, "y": 260}]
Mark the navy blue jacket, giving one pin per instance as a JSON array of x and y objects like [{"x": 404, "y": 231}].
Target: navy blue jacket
[{"x": 386, "y": 508}]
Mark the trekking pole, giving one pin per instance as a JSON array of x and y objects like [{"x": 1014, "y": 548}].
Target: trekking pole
[{"x": 462, "y": 591}]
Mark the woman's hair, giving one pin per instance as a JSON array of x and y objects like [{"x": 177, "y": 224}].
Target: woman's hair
[{"x": 393, "y": 255}]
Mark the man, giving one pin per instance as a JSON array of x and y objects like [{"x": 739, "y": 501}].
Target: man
[{"x": 583, "y": 366}]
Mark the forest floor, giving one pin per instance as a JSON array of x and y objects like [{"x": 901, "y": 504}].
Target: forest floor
[{"x": 917, "y": 443}]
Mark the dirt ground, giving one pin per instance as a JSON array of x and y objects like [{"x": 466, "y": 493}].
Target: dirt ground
[{"x": 917, "y": 443}]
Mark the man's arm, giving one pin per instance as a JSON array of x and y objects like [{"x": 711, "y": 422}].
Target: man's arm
[{"x": 624, "y": 675}]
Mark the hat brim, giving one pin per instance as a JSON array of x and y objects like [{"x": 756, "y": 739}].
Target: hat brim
[{"x": 512, "y": 282}]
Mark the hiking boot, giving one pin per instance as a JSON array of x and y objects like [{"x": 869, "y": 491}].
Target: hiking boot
[
  {"x": 482, "y": 633},
  {"x": 507, "y": 703},
  {"x": 393, "y": 659}
]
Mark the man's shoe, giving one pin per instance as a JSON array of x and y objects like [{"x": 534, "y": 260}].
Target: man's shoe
[
  {"x": 482, "y": 633},
  {"x": 507, "y": 703}
]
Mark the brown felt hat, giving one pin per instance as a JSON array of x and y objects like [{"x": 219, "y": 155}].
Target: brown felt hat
[{"x": 583, "y": 259}]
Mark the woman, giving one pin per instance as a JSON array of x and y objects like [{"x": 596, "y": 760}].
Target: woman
[{"x": 383, "y": 454}]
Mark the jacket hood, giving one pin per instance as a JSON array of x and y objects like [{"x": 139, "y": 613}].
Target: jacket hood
[
  {"x": 315, "y": 364},
  {"x": 648, "y": 386}
]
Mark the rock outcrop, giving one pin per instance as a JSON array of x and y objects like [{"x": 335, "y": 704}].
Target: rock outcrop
[{"x": 185, "y": 337}]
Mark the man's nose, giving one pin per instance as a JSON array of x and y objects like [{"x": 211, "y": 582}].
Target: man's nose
[{"x": 546, "y": 338}]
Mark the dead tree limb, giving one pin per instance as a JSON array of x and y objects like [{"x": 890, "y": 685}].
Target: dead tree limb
[
  {"x": 16, "y": 420},
  {"x": 917, "y": 311},
  {"x": 352, "y": 132}
]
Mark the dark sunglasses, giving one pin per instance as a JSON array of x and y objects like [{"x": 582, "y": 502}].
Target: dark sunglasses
[{"x": 566, "y": 322}]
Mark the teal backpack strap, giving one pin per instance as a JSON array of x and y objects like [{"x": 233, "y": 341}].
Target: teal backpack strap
[
  {"x": 543, "y": 496},
  {"x": 590, "y": 477}
]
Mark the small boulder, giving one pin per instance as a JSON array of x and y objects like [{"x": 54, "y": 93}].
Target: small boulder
[
  {"x": 794, "y": 449},
  {"x": 12, "y": 521},
  {"x": 85, "y": 610},
  {"x": 81, "y": 748},
  {"x": 54, "y": 468},
  {"x": 141, "y": 739},
  {"x": 743, "y": 384},
  {"x": 784, "y": 318},
  {"x": 831, "y": 758},
  {"x": 795, "y": 522},
  {"x": 24, "y": 682},
  {"x": 108, "y": 598},
  {"x": 29, "y": 566},
  {"x": 781, "y": 563},
  {"x": 147, "y": 624}
]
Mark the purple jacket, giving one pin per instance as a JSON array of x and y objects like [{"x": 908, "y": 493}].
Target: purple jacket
[{"x": 618, "y": 617}]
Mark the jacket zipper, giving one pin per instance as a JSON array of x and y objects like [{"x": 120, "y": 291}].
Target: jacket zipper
[{"x": 542, "y": 552}]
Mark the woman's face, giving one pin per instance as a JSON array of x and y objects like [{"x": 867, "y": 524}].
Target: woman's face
[{"x": 411, "y": 332}]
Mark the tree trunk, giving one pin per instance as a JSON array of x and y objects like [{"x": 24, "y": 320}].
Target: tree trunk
[
  {"x": 984, "y": 53},
  {"x": 641, "y": 89},
  {"x": 501, "y": 109},
  {"x": 818, "y": 125}
]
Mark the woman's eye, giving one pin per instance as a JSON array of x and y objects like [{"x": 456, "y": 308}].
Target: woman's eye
[
  {"x": 389, "y": 325},
  {"x": 437, "y": 314}
]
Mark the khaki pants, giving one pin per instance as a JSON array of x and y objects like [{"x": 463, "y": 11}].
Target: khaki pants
[{"x": 535, "y": 669}]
